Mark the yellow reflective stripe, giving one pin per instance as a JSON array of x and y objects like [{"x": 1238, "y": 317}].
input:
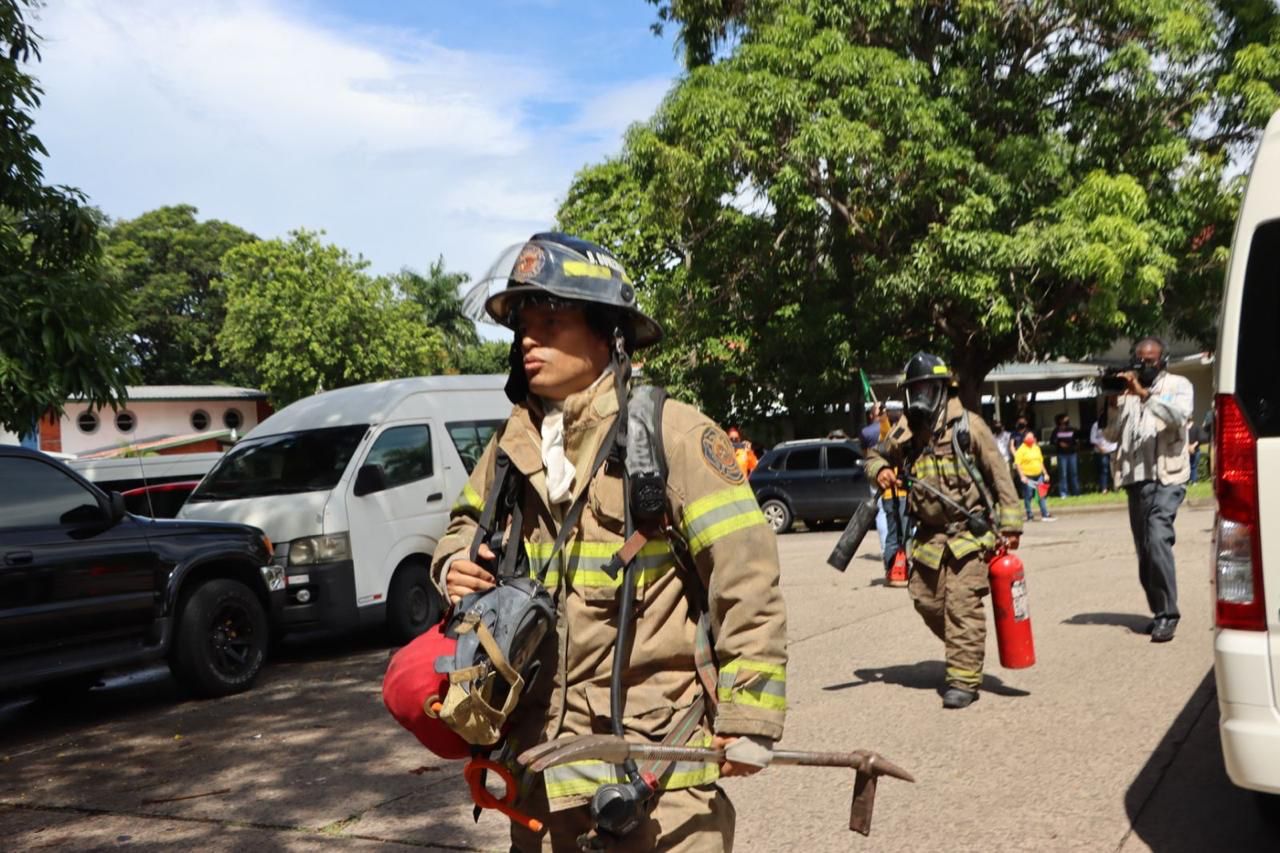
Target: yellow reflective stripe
[
  {"x": 1010, "y": 516},
  {"x": 967, "y": 543},
  {"x": 715, "y": 500},
  {"x": 928, "y": 554},
  {"x": 586, "y": 562},
  {"x": 964, "y": 676},
  {"x": 724, "y": 528},
  {"x": 469, "y": 499},
  {"x": 580, "y": 778},
  {"x": 719, "y": 514},
  {"x": 773, "y": 669},
  {"x": 766, "y": 688},
  {"x": 585, "y": 269}
]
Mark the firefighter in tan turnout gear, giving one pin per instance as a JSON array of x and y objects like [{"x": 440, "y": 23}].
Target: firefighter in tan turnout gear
[
  {"x": 572, "y": 308},
  {"x": 949, "y": 559}
]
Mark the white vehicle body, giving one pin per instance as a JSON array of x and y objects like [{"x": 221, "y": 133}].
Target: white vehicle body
[
  {"x": 137, "y": 470},
  {"x": 1247, "y": 483},
  {"x": 356, "y": 543}
]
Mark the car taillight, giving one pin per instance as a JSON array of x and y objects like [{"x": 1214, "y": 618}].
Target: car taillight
[{"x": 1237, "y": 540}]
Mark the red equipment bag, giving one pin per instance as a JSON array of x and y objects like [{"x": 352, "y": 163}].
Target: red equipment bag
[
  {"x": 412, "y": 686},
  {"x": 1013, "y": 618}
]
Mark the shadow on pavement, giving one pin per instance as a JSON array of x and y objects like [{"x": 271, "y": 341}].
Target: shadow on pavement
[
  {"x": 307, "y": 756},
  {"x": 1181, "y": 801},
  {"x": 925, "y": 675},
  {"x": 1135, "y": 622}
]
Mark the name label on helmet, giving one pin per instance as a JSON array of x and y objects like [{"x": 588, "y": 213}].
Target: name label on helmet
[
  {"x": 603, "y": 260},
  {"x": 939, "y": 368}
]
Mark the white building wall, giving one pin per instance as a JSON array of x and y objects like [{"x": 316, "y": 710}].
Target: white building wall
[
  {"x": 8, "y": 438},
  {"x": 152, "y": 419}
]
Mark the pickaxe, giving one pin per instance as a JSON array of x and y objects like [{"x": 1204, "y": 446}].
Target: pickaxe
[{"x": 615, "y": 750}]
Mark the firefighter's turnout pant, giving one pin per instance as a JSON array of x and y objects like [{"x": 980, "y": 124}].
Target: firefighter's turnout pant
[
  {"x": 949, "y": 599},
  {"x": 684, "y": 820}
]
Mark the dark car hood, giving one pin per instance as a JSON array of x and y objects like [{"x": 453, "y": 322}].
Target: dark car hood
[{"x": 183, "y": 527}]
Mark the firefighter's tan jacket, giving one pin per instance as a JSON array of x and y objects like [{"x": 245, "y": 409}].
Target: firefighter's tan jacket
[
  {"x": 736, "y": 557},
  {"x": 941, "y": 527}
]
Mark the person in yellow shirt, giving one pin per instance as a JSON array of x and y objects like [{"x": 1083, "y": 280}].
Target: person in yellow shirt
[{"x": 1029, "y": 461}]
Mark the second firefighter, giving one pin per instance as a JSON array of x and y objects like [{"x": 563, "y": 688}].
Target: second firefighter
[{"x": 952, "y": 455}]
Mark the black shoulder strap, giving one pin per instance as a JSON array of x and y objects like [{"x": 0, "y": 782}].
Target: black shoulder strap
[
  {"x": 646, "y": 461},
  {"x": 961, "y": 444}
]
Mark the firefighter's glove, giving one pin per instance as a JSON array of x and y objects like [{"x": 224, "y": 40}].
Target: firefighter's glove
[{"x": 750, "y": 749}]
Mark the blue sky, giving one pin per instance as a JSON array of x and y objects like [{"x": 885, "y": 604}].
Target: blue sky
[{"x": 404, "y": 129}]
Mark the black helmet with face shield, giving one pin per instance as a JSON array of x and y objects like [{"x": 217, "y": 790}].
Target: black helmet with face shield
[
  {"x": 925, "y": 381},
  {"x": 561, "y": 270},
  {"x": 558, "y": 267}
]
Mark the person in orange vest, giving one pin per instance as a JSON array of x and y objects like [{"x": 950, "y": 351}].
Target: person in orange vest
[{"x": 742, "y": 452}]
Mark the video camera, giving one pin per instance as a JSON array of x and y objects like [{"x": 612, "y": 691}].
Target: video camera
[{"x": 1110, "y": 380}]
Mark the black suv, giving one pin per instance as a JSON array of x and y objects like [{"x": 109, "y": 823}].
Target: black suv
[
  {"x": 815, "y": 481},
  {"x": 86, "y": 587}
]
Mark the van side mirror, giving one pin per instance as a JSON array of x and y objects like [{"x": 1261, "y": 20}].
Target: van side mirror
[
  {"x": 369, "y": 479},
  {"x": 118, "y": 508}
]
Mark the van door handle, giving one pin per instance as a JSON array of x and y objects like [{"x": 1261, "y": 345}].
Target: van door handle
[
  {"x": 18, "y": 558},
  {"x": 435, "y": 496}
]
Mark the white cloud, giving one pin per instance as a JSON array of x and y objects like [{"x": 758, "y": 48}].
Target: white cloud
[{"x": 261, "y": 114}]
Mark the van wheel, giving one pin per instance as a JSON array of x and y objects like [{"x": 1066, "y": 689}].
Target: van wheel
[
  {"x": 778, "y": 514},
  {"x": 222, "y": 639},
  {"x": 413, "y": 602}
]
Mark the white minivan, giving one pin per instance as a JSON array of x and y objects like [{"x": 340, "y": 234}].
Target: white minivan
[
  {"x": 1247, "y": 484},
  {"x": 354, "y": 488}
]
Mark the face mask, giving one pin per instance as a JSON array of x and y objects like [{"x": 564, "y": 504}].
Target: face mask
[
  {"x": 924, "y": 399},
  {"x": 1147, "y": 374}
]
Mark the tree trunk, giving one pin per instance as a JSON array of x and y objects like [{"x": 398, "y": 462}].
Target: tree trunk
[{"x": 971, "y": 368}]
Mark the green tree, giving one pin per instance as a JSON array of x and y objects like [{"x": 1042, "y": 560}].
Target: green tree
[
  {"x": 305, "y": 316},
  {"x": 834, "y": 184},
  {"x": 60, "y": 316},
  {"x": 483, "y": 357},
  {"x": 169, "y": 261},
  {"x": 436, "y": 293}
]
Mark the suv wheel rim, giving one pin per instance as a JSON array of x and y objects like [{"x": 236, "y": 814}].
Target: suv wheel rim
[
  {"x": 231, "y": 639},
  {"x": 774, "y": 514}
]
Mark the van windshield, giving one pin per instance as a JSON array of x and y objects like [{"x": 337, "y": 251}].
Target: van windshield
[{"x": 287, "y": 463}]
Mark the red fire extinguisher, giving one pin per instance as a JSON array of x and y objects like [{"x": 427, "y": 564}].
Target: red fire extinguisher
[{"x": 1013, "y": 619}]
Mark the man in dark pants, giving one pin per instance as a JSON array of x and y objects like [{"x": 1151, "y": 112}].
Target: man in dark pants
[{"x": 1149, "y": 422}]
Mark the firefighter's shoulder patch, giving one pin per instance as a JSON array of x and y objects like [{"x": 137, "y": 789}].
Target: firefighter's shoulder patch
[{"x": 717, "y": 451}]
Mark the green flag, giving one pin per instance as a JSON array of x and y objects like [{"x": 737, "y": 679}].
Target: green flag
[{"x": 866, "y": 386}]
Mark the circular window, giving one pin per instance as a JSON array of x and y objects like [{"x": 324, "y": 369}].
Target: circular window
[
  {"x": 87, "y": 421},
  {"x": 232, "y": 419},
  {"x": 125, "y": 421},
  {"x": 199, "y": 420}
]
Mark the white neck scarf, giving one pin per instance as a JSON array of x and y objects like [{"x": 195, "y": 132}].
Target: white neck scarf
[{"x": 560, "y": 470}]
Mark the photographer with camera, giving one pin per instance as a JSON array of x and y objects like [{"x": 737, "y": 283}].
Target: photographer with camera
[{"x": 1149, "y": 423}]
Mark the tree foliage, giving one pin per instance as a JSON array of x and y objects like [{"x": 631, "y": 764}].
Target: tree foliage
[
  {"x": 483, "y": 357},
  {"x": 304, "y": 316},
  {"x": 437, "y": 295},
  {"x": 995, "y": 179},
  {"x": 168, "y": 261},
  {"x": 60, "y": 317}
]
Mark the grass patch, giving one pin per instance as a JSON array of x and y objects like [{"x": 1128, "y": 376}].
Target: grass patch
[{"x": 1195, "y": 491}]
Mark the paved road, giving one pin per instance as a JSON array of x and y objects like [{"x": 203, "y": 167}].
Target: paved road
[{"x": 1108, "y": 743}]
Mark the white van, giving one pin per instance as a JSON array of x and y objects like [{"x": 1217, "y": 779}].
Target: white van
[
  {"x": 1246, "y": 450},
  {"x": 354, "y": 487}
]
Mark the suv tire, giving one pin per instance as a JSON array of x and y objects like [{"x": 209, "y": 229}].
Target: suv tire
[
  {"x": 222, "y": 638},
  {"x": 778, "y": 514},
  {"x": 413, "y": 602}
]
